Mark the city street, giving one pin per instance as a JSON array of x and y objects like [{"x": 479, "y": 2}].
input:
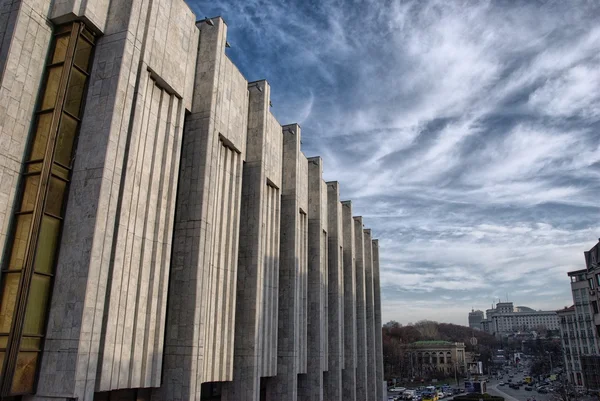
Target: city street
[{"x": 522, "y": 395}]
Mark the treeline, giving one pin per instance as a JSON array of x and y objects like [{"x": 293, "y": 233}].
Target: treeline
[
  {"x": 425, "y": 330},
  {"x": 396, "y": 336}
]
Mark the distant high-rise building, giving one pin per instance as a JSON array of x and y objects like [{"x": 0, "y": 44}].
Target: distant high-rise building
[
  {"x": 505, "y": 318},
  {"x": 475, "y": 319}
]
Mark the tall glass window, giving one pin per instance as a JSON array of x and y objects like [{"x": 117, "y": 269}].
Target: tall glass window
[{"x": 26, "y": 277}]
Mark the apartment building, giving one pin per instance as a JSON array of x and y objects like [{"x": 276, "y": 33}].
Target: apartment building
[
  {"x": 505, "y": 318},
  {"x": 580, "y": 325}
]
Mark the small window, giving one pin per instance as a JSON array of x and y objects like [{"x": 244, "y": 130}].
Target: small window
[
  {"x": 598, "y": 279},
  {"x": 595, "y": 306},
  {"x": 591, "y": 282}
]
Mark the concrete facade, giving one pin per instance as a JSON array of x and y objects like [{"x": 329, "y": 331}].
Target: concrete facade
[
  {"x": 579, "y": 324},
  {"x": 202, "y": 254}
]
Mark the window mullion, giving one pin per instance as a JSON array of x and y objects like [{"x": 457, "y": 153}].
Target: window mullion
[{"x": 14, "y": 339}]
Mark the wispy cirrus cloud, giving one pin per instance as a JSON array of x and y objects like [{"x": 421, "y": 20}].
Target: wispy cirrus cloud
[{"x": 467, "y": 134}]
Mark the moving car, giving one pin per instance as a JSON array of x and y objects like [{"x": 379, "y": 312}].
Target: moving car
[
  {"x": 502, "y": 384},
  {"x": 527, "y": 388}
]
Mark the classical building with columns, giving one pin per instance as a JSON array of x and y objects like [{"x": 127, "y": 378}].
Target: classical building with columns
[
  {"x": 428, "y": 358},
  {"x": 162, "y": 235}
]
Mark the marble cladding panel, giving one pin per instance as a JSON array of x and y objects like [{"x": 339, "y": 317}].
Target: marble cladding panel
[
  {"x": 302, "y": 237},
  {"x": 310, "y": 384},
  {"x": 255, "y": 354},
  {"x": 333, "y": 379},
  {"x": 25, "y": 36},
  {"x": 94, "y": 12},
  {"x": 269, "y": 276},
  {"x": 202, "y": 298},
  {"x": 349, "y": 371},
  {"x": 171, "y": 45},
  {"x": 361, "y": 312},
  {"x": 378, "y": 338},
  {"x": 134, "y": 325},
  {"x": 370, "y": 319},
  {"x": 119, "y": 218}
]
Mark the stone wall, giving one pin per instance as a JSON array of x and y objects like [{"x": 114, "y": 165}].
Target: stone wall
[{"x": 200, "y": 249}]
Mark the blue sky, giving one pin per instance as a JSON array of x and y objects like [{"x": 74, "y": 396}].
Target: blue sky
[{"x": 467, "y": 133}]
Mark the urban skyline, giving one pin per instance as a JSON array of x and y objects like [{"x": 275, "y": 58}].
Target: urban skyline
[{"x": 476, "y": 123}]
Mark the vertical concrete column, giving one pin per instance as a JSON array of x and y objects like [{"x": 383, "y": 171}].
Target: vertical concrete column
[
  {"x": 292, "y": 268},
  {"x": 370, "y": 311},
  {"x": 255, "y": 351},
  {"x": 378, "y": 339},
  {"x": 107, "y": 316},
  {"x": 310, "y": 385},
  {"x": 361, "y": 313},
  {"x": 333, "y": 377},
  {"x": 201, "y": 316},
  {"x": 349, "y": 370}
]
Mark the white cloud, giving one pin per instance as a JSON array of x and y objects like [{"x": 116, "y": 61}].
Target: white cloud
[{"x": 466, "y": 133}]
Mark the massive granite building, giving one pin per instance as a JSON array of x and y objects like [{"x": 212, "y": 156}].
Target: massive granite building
[{"x": 162, "y": 235}]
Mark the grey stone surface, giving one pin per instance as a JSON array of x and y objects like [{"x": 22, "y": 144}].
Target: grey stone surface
[
  {"x": 201, "y": 320},
  {"x": 113, "y": 268},
  {"x": 310, "y": 384},
  {"x": 268, "y": 280},
  {"x": 93, "y": 12},
  {"x": 361, "y": 312},
  {"x": 350, "y": 352},
  {"x": 378, "y": 339},
  {"x": 25, "y": 35},
  {"x": 255, "y": 352},
  {"x": 291, "y": 341},
  {"x": 332, "y": 381},
  {"x": 370, "y": 319}
]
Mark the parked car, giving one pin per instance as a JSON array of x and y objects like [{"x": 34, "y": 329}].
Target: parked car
[
  {"x": 542, "y": 390},
  {"x": 527, "y": 388}
]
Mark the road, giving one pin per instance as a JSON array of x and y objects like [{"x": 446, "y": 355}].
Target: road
[{"x": 521, "y": 395}]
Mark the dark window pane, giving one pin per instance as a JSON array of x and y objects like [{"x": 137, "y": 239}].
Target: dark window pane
[
  {"x": 10, "y": 287},
  {"x": 82, "y": 54},
  {"x": 75, "y": 92},
  {"x": 31, "y": 343},
  {"x": 34, "y": 167},
  {"x": 52, "y": 87},
  {"x": 24, "y": 373},
  {"x": 3, "y": 341},
  {"x": 41, "y": 136},
  {"x": 17, "y": 256},
  {"x": 35, "y": 315},
  {"x": 47, "y": 245},
  {"x": 62, "y": 29},
  {"x": 56, "y": 194},
  {"x": 32, "y": 183},
  {"x": 1, "y": 362},
  {"x": 65, "y": 140},
  {"x": 60, "y": 49},
  {"x": 89, "y": 35},
  {"x": 60, "y": 171}
]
